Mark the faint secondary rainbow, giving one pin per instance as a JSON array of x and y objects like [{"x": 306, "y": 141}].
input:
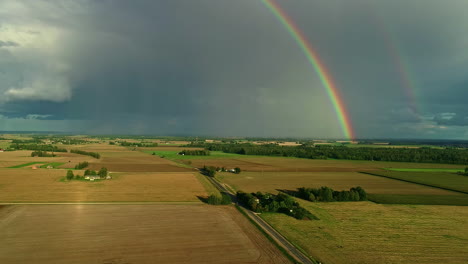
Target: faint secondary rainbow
[
  {"x": 396, "y": 53},
  {"x": 317, "y": 64}
]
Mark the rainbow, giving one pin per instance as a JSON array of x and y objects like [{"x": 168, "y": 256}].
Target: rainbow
[
  {"x": 402, "y": 66},
  {"x": 317, "y": 64}
]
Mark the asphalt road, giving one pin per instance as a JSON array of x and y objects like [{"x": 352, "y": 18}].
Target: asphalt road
[{"x": 283, "y": 242}]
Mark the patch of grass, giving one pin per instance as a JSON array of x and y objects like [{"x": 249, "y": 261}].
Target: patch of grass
[
  {"x": 419, "y": 199},
  {"x": 425, "y": 169},
  {"x": 210, "y": 189},
  {"x": 27, "y": 164},
  {"x": 53, "y": 164},
  {"x": 443, "y": 180}
]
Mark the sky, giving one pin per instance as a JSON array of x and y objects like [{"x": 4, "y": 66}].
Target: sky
[{"x": 230, "y": 68}]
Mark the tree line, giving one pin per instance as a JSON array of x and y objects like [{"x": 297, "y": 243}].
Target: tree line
[
  {"x": 326, "y": 194},
  {"x": 82, "y": 152},
  {"x": 281, "y": 203},
  {"x": 38, "y": 147},
  {"x": 423, "y": 155},
  {"x": 81, "y": 165},
  {"x": 198, "y": 152},
  {"x": 102, "y": 173},
  {"x": 41, "y": 154},
  {"x": 134, "y": 144}
]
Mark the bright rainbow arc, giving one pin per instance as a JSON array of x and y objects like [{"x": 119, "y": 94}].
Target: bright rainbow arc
[{"x": 317, "y": 64}]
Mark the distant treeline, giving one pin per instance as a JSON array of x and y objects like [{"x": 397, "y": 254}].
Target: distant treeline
[
  {"x": 41, "y": 154},
  {"x": 38, "y": 147},
  {"x": 82, "y": 152},
  {"x": 424, "y": 155},
  {"x": 326, "y": 194},
  {"x": 81, "y": 165},
  {"x": 26, "y": 141},
  {"x": 281, "y": 203},
  {"x": 134, "y": 144},
  {"x": 202, "y": 152}
]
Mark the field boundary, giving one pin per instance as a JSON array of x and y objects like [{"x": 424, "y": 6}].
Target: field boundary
[
  {"x": 280, "y": 248},
  {"x": 424, "y": 184}
]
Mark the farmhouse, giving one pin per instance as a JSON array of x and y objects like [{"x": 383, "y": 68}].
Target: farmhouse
[
  {"x": 92, "y": 177},
  {"x": 1, "y": 150}
]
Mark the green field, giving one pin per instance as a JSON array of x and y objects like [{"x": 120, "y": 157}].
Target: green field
[
  {"x": 172, "y": 155},
  {"x": 446, "y": 180},
  {"x": 461, "y": 200},
  {"x": 363, "y": 232},
  {"x": 425, "y": 169},
  {"x": 53, "y": 164},
  {"x": 27, "y": 164}
]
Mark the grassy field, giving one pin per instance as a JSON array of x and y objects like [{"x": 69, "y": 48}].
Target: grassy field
[
  {"x": 426, "y": 169},
  {"x": 53, "y": 164},
  {"x": 273, "y": 181},
  {"x": 419, "y": 199},
  {"x": 363, "y": 232},
  {"x": 131, "y": 234},
  {"x": 446, "y": 180},
  {"x": 27, "y": 164},
  {"x": 43, "y": 185}
]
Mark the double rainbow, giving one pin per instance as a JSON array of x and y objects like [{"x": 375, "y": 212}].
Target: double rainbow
[{"x": 317, "y": 64}]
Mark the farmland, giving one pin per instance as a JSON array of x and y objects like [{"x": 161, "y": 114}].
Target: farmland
[
  {"x": 446, "y": 180},
  {"x": 21, "y": 185},
  {"x": 363, "y": 232},
  {"x": 274, "y": 181},
  {"x": 131, "y": 234}
]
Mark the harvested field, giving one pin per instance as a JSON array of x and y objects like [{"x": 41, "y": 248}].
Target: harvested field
[
  {"x": 15, "y": 158},
  {"x": 44, "y": 185},
  {"x": 131, "y": 234},
  {"x": 363, "y": 232},
  {"x": 273, "y": 181},
  {"x": 135, "y": 161},
  {"x": 281, "y": 164}
]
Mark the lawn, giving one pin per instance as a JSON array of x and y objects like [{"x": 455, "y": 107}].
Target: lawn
[
  {"x": 444, "y": 180},
  {"x": 363, "y": 232}
]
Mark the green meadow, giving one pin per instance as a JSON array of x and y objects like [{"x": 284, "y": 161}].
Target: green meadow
[
  {"x": 458, "y": 199},
  {"x": 27, "y": 164},
  {"x": 444, "y": 180},
  {"x": 425, "y": 169}
]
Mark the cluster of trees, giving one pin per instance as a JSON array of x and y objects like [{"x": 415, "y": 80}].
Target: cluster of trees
[
  {"x": 195, "y": 152},
  {"x": 38, "y": 147},
  {"x": 424, "y": 154},
  {"x": 326, "y": 194},
  {"x": 81, "y": 165},
  {"x": 281, "y": 203},
  {"x": 134, "y": 144},
  {"x": 82, "y": 152},
  {"x": 102, "y": 173},
  {"x": 209, "y": 171},
  {"x": 41, "y": 154},
  {"x": 216, "y": 200}
]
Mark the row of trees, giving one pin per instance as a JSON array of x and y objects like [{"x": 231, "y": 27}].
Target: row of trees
[
  {"x": 217, "y": 200},
  {"x": 209, "y": 171},
  {"x": 201, "y": 152},
  {"x": 38, "y": 147},
  {"x": 102, "y": 173},
  {"x": 281, "y": 203},
  {"x": 81, "y": 165},
  {"x": 41, "y": 154},
  {"x": 135, "y": 144},
  {"x": 82, "y": 152},
  {"x": 427, "y": 155},
  {"x": 326, "y": 194}
]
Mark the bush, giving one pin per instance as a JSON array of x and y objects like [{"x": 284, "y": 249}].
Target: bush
[
  {"x": 69, "y": 175},
  {"x": 237, "y": 170}
]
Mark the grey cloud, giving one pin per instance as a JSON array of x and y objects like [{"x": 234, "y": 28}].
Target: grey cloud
[
  {"x": 451, "y": 119},
  {"x": 8, "y": 44}
]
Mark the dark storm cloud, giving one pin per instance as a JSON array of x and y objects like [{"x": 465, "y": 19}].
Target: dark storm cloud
[
  {"x": 8, "y": 44},
  {"x": 225, "y": 67}
]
